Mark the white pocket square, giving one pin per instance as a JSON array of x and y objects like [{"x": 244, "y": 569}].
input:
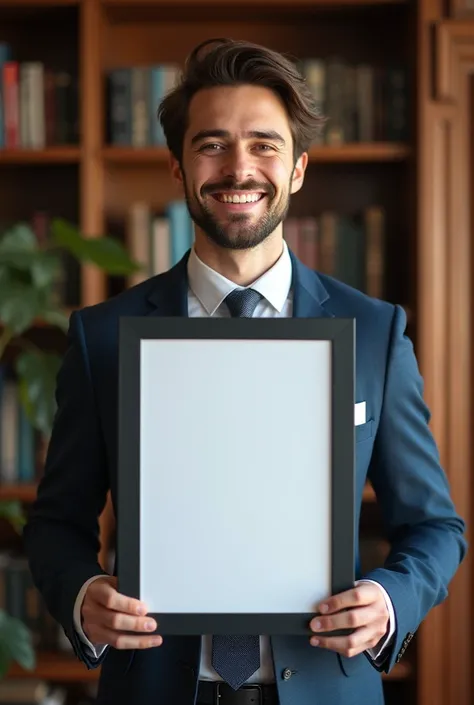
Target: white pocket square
[{"x": 359, "y": 413}]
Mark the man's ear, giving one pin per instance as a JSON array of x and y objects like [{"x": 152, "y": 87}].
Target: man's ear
[
  {"x": 176, "y": 171},
  {"x": 298, "y": 173}
]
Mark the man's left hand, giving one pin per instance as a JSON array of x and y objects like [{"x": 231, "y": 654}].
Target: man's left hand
[{"x": 362, "y": 609}]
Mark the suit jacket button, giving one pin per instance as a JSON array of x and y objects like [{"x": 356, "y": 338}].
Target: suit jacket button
[{"x": 286, "y": 674}]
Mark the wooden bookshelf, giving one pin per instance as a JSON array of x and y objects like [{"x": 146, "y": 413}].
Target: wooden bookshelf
[
  {"x": 424, "y": 183},
  {"x": 52, "y": 155}
]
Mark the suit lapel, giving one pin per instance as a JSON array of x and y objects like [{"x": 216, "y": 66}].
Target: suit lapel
[
  {"x": 170, "y": 295},
  {"x": 310, "y": 298}
]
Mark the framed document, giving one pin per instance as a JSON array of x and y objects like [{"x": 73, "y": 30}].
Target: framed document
[{"x": 236, "y": 470}]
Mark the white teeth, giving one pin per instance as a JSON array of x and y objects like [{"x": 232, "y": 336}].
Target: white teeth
[{"x": 245, "y": 198}]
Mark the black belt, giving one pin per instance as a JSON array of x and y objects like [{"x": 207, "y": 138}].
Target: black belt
[{"x": 210, "y": 693}]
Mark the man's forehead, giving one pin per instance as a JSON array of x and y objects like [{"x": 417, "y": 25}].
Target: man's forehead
[{"x": 221, "y": 109}]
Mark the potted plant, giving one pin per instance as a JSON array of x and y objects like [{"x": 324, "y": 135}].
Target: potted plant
[{"x": 28, "y": 275}]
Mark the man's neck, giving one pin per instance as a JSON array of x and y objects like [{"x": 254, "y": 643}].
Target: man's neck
[{"x": 240, "y": 266}]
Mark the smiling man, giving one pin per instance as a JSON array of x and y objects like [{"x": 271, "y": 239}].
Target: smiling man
[{"x": 239, "y": 126}]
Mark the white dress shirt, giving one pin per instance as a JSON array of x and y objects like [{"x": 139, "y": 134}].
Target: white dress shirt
[{"x": 207, "y": 292}]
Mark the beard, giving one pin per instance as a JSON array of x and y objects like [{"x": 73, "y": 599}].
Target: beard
[{"x": 240, "y": 231}]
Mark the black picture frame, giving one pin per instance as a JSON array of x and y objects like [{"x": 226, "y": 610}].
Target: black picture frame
[{"x": 340, "y": 332}]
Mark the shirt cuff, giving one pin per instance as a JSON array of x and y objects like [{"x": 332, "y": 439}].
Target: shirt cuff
[
  {"x": 95, "y": 651},
  {"x": 376, "y": 652}
]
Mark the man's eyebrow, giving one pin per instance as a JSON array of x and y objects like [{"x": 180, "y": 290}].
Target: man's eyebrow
[{"x": 272, "y": 135}]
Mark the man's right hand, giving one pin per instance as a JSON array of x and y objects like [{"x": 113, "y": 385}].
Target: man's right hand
[{"x": 108, "y": 617}]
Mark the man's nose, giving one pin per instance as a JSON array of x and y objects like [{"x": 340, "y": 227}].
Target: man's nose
[{"x": 238, "y": 164}]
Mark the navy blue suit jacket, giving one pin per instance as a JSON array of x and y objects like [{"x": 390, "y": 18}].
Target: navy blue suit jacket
[{"x": 394, "y": 449}]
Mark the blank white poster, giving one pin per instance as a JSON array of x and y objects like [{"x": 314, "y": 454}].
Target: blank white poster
[{"x": 235, "y": 497}]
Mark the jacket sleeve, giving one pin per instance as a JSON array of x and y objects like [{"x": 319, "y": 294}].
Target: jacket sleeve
[
  {"x": 61, "y": 536},
  {"x": 424, "y": 530}
]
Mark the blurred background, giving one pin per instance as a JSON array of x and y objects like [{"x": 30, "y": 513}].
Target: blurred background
[{"x": 87, "y": 208}]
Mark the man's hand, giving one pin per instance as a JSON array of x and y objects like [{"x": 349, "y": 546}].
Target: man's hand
[
  {"x": 366, "y": 613},
  {"x": 108, "y": 617}
]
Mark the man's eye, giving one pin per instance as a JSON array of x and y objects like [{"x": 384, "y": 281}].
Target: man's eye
[
  {"x": 264, "y": 147},
  {"x": 211, "y": 147}
]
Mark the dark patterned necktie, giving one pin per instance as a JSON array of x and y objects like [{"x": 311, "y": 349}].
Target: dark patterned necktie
[
  {"x": 236, "y": 657},
  {"x": 242, "y": 302}
]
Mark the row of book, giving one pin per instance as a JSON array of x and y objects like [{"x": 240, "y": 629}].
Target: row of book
[
  {"x": 21, "y": 447},
  {"x": 350, "y": 248},
  {"x": 157, "y": 241},
  {"x": 38, "y": 104},
  {"x": 133, "y": 95},
  {"x": 363, "y": 103}
]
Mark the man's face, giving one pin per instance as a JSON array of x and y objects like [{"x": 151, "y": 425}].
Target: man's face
[{"x": 238, "y": 170}]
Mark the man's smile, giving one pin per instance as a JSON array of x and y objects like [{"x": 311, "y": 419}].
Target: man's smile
[{"x": 238, "y": 201}]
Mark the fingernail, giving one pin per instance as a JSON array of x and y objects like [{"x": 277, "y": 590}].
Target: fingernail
[
  {"x": 323, "y": 608},
  {"x": 314, "y": 641},
  {"x": 141, "y": 610},
  {"x": 316, "y": 625},
  {"x": 149, "y": 625}
]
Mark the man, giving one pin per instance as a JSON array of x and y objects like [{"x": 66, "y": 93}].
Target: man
[{"x": 238, "y": 128}]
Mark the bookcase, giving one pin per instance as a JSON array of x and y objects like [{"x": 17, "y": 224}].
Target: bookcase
[{"x": 420, "y": 182}]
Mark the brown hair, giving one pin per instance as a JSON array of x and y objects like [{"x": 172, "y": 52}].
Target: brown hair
[{"x": 228, "y": 62}]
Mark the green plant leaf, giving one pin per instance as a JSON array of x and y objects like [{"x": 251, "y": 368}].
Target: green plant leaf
[
  {"x": 12, "y": 511},
  {"x": 37, "y": 372},
  {"x": 16, "y": 644},
  {"x": 21, "y": 236},
  {"x": 56, "y": 318},
  {"x": 105, "y": 252},
  {"x": 20, "y": 304}
]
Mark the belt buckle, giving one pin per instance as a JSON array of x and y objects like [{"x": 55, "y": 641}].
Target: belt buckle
[{"x": 254, "y": 686}]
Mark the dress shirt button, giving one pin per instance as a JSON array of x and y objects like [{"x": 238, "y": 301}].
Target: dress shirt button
[{"x": 286, "y": 674}]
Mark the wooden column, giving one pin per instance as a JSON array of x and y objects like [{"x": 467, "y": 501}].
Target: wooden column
[
  {"x": 445, "y": 333},
  {"x": 92, "y": 112}
]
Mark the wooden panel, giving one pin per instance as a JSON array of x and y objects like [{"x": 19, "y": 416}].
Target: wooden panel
[
  {"x": 133, "y": 5},
  {"x": 26, "y": 187},
  {"x": 461, "y": 8},
  {"x": 41, "y": 33},
  {"x": 91, "y": 187},
  {"x": 445, "y": 334},
  {"x": 173, "y": 35}
]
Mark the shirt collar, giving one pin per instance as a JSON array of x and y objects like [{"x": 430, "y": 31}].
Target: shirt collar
[{"x": 211, "y": 288}]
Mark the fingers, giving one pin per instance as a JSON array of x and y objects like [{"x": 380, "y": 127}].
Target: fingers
[
  {"x": 121, "y": 640},
  {"x": 120, "y": 621},
  {"x": 351, "y": 645},
  {"x": 103, "y": 592},
  {"x": 108, "y": 617},
  {"x": 359, "y": 596},
  {"x": 350, "y": 619}
]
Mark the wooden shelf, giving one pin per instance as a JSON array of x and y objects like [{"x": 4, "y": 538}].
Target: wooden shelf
[
  {"x": 59, "y": 667},
  {"x": 271, "y": 4},
  {"x": 23, "y": 492},
  {"x": 51, "y": 155},
  {"x": 374, "y": 152},
  {"x": 66, "y": 668},
  {"x": 38, "y": 3}
]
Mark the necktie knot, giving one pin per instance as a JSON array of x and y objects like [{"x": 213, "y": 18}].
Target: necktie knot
[{"x": 242, "y": 302}]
